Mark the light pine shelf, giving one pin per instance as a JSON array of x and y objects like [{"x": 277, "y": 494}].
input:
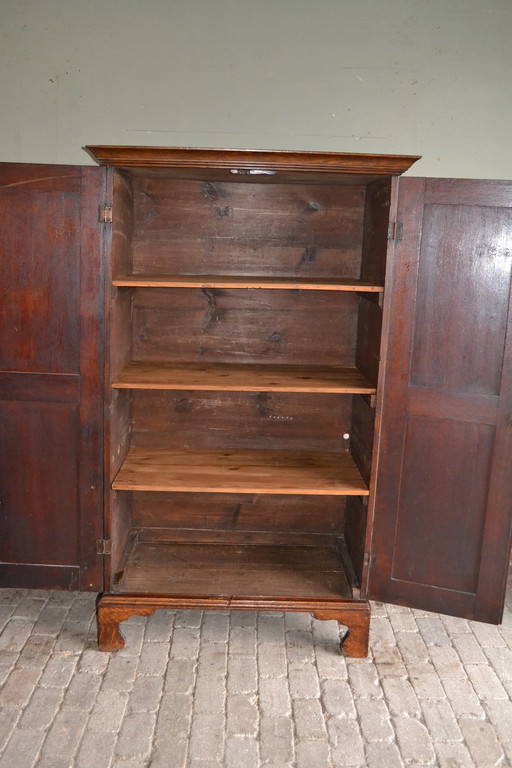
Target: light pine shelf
[
  {"x": 247, "y": 378},
  {"x": 258, "y": 472},
  {"x": 224, "y": 281}
]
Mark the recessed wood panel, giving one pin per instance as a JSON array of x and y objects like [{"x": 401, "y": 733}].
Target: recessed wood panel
[
  {"x": 39, "y": 280},
  {"x": 446, "y": 503},
  {"x": 462, "y": 299},
  {"x": 38, "y": 446}
]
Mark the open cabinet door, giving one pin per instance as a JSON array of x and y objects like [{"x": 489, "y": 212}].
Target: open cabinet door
[
  {"x": 443, "y": 490},
  {"x": 51, "y": 303}
]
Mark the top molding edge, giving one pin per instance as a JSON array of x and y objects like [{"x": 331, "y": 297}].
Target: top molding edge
[{"x": 181, "y": 157}]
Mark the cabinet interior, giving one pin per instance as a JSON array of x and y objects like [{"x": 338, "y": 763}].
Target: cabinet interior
[{"x": 245, "y": 318}]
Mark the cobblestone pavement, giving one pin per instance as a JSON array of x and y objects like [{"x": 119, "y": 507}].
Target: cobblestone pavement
[{"x": 240, "y": 690}]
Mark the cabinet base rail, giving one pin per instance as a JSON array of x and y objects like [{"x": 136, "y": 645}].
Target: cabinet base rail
[{"x": 112, "y": 609}]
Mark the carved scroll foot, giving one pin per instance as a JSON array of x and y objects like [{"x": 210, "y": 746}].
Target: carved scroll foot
[
  {"x": 356, "y": 618},
  {"x": 110, "y": 611}
]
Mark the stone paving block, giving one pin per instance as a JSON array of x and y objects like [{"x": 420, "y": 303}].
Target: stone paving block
[
  {"x": 412, "y": 647},
  {"x": 134, "y": 634},
  {"x": 455, "y": 626},
  {"x": 326, "y": 633},
  {"x": 383, "y": 754},
  {"x": 189, "y": 618},
  {"x": 485, "y": 682},
  {"x": 274, "y": 696},
  {"x": 174, "y": 716},
  {"x": 206, "y": 737},
  {"x": 29, "y": 608},
  {"x": 309, "y": 720},
  {"x": 374, "y": 719},
  {"x": 401, "y": 697},
  {"x": 453, "y": 755},
  {"x": 72, "y": 636},
  {"x": 58, "y": 671},
  {"x": 463, "y": 699},
  {"x": 53, "y": 761},
  {"x": 338, "y": 699},
  {"x": 433, "y": 631},
  {"x": 481, "y": 741},
  {"x": 242, "y": 752},
  {"x": 108, "y": 712},
  {"x": 447, "y": 662},
  {"x": 500, "y": 660},
  {"x": 440, "y": 720},
  {"x": 82, "y": 691},
  {"x": 15, "y": 634},
  {"x": 381, "y": 632},
  {"x": 9, "y": 717},
  {"x": 94, "y": 661},
  {"x": 120, "y": 673},
  {"x": 209, "y": 695},
  {"x": 153, "y": 659},
  {"x": 299, "y": 645},
  {"x": 180, "y": 676},
  {"x": 312, "y": 754},
  {"x": 242, "y": 715},
  {"x": 19, "y": 686},
  {"x": 136, "y": 736},
  {"x": 403, "y": 622},
  {"x": 8, "y": 660},
  {"x": 167, "y": 753},
  {"x": 243, "y": 618},
  {"x": 42, "y": 708},
  {"x": 242, "y": 640},
  {"x": 50, "y": 620},
  {"x": 215, "y": 627},
  {"x": 22, "y": 749},
  {"x": 500, "y": 715},
  {"x": 276, "y": 739},
  {"x": 65, "y": 734},
  {"x": 272, "y": 660},
  {"x": 213, "y": 659},
  {"x": 185, "y": 642},
  {"x": 242, "y": 675},
  {"x": 145, "y": 694},
  {"x": 488, "y": 635},
  {"x": 270, "y": 628},
  {"x": 303, "y": 680},
  {"x": 159, "y": 627},
  {"x": 425, "y": 681},
  {"x": 330, "y": 663},
  {"x": 36, "y": 651},
  {"x": 347, "y": 746},
  {"x": 468, "y": 648},
  {"x": 297, "y": 620},
  {"x": 363, "y": 678},
  {"x": 388, "y": 661},
  {"x": 96, "y": 750},
  {"x": 413, "y": 740}
]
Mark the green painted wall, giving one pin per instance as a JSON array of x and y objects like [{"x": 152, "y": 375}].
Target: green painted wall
[{"x": 429, "y": 77}]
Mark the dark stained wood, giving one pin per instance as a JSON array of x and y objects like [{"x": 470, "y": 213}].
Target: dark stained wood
[
  {"x": 325, "y": 163},
  {"x": 51, "y": 355},
  {"x": 441, "y": 530}
]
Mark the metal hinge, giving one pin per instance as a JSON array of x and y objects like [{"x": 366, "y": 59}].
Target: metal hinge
[
  {"x": 369, "y": 560},
  {"x": 395, "y": 230},
  {"x": 103, "y": 546},
  {"x": 105, "y": 214}
]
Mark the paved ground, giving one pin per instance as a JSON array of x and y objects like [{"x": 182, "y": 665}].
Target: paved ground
[{"x": 239, "y": 690}]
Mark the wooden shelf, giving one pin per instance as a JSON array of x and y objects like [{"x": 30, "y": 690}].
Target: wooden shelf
[
  {"x": 258, "y": 472},
  {"x": 247, "y": 378},
  {"x": 217, "y": 281},
  {"x": 230, "y": 570}
]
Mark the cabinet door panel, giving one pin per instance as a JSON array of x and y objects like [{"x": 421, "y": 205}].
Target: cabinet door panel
[
  {"x": 50, "y": 380},
  {"x": 443, "y": 494}
]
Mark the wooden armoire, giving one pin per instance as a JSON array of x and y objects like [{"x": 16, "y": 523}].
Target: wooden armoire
[{"x": 255, "y": 380}]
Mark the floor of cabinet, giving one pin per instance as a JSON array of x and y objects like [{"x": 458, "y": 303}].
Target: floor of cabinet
[{"x": 233, "y": 570}]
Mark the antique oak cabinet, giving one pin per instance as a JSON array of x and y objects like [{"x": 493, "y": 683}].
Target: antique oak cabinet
[{"x": 255, "y": 380}]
